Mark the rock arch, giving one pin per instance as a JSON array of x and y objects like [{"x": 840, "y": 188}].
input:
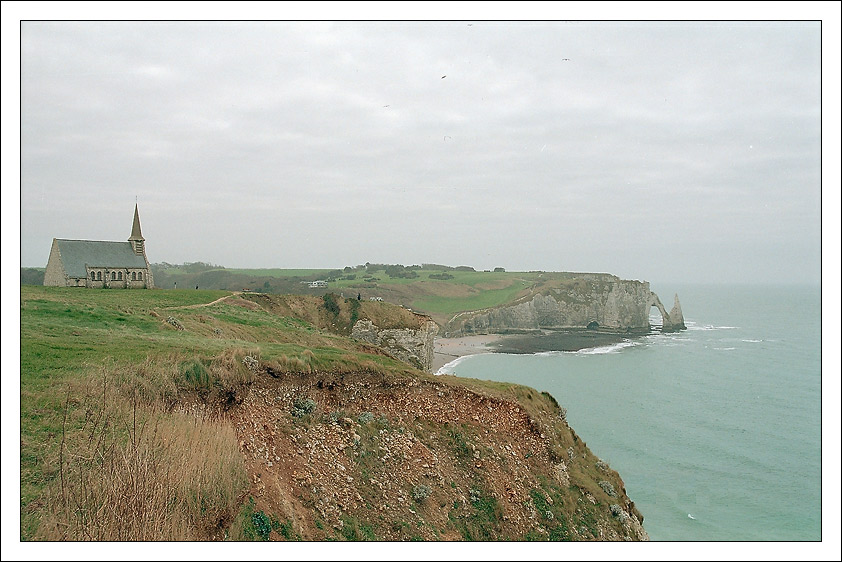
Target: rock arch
[{"x": 674, "y": 319}]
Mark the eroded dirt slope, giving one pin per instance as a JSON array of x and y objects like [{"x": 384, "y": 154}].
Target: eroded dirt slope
[{"x": 375, "y": 457}]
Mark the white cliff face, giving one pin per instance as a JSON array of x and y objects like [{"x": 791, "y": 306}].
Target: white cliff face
[
  {"x": 676, "y": 317},
  {"x": 625, "y": 307},
  {"x": 615, "y": 305},
  {"x": 408, "y": 345}
]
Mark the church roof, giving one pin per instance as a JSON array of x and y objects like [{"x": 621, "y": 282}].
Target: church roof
[
  {"x": 75, "y": 254},
  {"x": 136, "y": 235}
]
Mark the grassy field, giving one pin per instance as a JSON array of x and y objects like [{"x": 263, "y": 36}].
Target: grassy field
[
  {"x": 440, "y": 298},
  {"x": 438, "y": 305}
]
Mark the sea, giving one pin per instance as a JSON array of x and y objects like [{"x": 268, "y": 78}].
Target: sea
[{"x": 715, "y": 430}]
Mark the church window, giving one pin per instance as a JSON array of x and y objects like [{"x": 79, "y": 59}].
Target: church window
[
  {"x": 134, "y": 276},
  {"x": 99, "y": 276},
  {"x": 119, "y": 276},
  {"x": 140, "y": 276},
  {"x": 113, "y": 275},
  {"x": 93, "y": 276}
]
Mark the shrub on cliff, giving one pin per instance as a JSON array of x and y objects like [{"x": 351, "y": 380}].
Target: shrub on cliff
[
  {"x": 330, "y": 304},
  {"x": 355, "y": 310},
  {"x": 618, "y": 512},
  {"x": 607, "y": 487},
  {"x": 421, "y": 492},
  {"x": 303, "y": 406}
]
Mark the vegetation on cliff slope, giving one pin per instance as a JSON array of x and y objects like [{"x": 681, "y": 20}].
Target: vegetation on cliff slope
[{"x": 303, "y": 432}]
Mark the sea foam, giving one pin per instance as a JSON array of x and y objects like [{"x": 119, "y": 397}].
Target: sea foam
[
  {"x": 447, "y": 368},
  {"x": 614, "y": 348}
]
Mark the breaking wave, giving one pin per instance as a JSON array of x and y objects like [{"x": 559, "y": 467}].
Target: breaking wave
[
  {"x": 601, "y": 350},
  {"x": 694, "y": 326}
]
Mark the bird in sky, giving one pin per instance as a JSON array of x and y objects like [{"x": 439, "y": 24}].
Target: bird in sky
[{"x": 443, "y": 77}]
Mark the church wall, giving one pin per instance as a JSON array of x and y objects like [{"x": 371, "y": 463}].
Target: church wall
[
  {"x": 141, "y": 283},
  {"x": 123, "y": 281},
  {"x": 54, "y": 275}
]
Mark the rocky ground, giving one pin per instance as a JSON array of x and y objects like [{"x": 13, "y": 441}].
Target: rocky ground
[{"x": 373, "y": 457}]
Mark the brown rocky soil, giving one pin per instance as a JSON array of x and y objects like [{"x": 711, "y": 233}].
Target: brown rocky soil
[{"x": 433, "y": 458}]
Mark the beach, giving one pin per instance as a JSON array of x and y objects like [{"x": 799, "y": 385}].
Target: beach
[{"x": 448, "y": 349}]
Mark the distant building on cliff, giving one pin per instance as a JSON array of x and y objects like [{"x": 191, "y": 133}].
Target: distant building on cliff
[{"x": 98, "y": 264}]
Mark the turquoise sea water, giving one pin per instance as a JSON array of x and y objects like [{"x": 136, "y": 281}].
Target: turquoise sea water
[{"x": 715, "y": 430}]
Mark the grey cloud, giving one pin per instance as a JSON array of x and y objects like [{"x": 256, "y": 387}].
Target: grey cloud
[{"x": 325, "y": 144}]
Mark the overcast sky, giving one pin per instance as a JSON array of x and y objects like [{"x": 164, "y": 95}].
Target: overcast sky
[{"x": 670, "y": 152}]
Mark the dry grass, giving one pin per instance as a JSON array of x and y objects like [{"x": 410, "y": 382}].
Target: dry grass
[
  {"x": 128, "y": 470},
  {"x": 302, "y": 363}
]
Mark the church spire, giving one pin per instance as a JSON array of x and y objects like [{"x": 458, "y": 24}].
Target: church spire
[{"x": 136, "y": 238}]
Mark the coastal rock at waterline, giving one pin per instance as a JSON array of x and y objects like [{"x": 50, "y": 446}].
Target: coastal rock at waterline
[{"x": 676, "y": 317}]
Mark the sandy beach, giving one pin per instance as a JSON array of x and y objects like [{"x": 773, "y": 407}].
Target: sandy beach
[{"x": 448, "y": 349}]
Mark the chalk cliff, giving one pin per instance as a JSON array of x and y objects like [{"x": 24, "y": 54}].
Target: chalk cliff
[
  {"x": 676, "y": 317},
  {"x": 410, "y": 345},
  {"x": 602, "y": 302}
]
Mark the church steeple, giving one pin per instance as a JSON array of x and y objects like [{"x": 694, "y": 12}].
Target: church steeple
[{"x": 136, "y": 238}]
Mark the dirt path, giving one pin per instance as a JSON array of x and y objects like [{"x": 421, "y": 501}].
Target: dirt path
[{"x": 202, "y": 305}]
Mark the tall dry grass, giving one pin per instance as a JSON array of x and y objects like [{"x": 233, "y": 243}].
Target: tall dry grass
[
  {"x": 133, "y": 469},
  {"x": 160, "y": 378},
  {"x": 305, "y": 362}
]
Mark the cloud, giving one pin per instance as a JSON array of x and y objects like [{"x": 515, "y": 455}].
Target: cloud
[{"x": 325, "y": 144}]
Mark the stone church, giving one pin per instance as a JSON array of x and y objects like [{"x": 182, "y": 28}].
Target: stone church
[{"x": 98, "y": 264}]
